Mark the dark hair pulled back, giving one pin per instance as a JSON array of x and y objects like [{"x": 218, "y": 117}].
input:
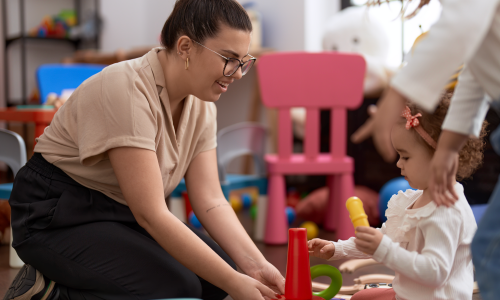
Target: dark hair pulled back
[{"x": 201, "y": 19}]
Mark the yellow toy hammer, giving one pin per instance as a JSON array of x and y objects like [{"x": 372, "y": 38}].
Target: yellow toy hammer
[{"x": 356, "y": 212}]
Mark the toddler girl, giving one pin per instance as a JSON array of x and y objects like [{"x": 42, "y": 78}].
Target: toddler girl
[{"x": 427, "y": 246}]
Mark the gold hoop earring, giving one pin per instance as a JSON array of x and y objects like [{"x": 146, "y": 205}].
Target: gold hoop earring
[{"x": 187, "y": 63}]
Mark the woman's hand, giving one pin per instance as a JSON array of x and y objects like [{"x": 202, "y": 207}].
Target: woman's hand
[
  {"x": 368, "y": 239},
  {"x": 366, "y": 130},
  {"x": 321, "y": 248},
  {"x": 389, "y": 109},
  {"x": 444, "y": 166},
  {"x": 244, "y": 287},
  {"x": 267, "y": 274}
]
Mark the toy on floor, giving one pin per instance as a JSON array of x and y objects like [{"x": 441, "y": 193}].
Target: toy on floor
[
  {"x": 356, "y": 212},
  {"x": 292, "y": 198},
  {"x": 352, "y": 265},
  {"x": 312, "y": 229},
  {"x": 313, "y": 207},
  {"x": 253, "y": 212},
  {"x": 235, "y": 204},
  {"x": 290, "y": 214},
  {"x": 392, "y": 187},
  {"x": 299, "y": 274},
  {"x": 346, "y": 292}
]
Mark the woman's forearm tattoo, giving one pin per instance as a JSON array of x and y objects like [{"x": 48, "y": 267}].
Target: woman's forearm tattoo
[{"x": 218, "y": 205}]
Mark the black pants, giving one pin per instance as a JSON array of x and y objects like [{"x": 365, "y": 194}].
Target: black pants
[{"x": 91, "y": 245}]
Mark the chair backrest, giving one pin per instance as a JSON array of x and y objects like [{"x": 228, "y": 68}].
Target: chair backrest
[
  {"x": 325, "y": 80},
  {"x": 240, "y": 139},
  {"x": 12, "y": 150},
  {"x": 54, "y": 78}
]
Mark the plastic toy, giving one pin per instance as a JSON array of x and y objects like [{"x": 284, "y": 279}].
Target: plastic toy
[
  {"x": 235, "y": 204},
  {"x": 299, "y": 275},
  {"x": 293, "y": 198},
  {"x": 193, "y": 220},
  {"x": 392, "y": 187},
  {"x": 312, "y": 229},
  {"x": 356, "y": 212},
  {"x": 253, "y": 212},
  {"x": 246, "y": 199},
  {"x": 56, "y": 26},
  {"x": 290, "y": 214},
  {"x": 351, "y": 266}
]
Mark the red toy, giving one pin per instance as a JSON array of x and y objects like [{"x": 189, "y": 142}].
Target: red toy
[{"x": 298, "y": 285}]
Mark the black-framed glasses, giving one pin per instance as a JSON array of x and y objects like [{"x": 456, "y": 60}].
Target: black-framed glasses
[{"x": 233, "y": 64}]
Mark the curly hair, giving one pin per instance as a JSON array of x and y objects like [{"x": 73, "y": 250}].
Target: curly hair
[{"x": 471, "y": 155}]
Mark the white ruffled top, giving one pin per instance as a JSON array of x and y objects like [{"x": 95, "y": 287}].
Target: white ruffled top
[{"x": 428, "y": 248}]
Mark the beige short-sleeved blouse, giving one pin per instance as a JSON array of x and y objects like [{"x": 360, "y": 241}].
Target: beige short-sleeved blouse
[{"x": 126, "y": 105}]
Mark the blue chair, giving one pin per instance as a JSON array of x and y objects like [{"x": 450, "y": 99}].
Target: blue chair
[
  {"x": 234, "y": 141},
  {"x": 13, "y": 153},
  {"x": 54, "y": 78}
]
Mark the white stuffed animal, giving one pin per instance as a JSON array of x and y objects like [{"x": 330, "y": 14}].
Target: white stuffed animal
[{"x": 353, "y": 30}]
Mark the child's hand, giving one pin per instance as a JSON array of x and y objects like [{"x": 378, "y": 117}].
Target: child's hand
[
  {"x": 368, "y": 239},
  {"x": 321, "y": 248}
]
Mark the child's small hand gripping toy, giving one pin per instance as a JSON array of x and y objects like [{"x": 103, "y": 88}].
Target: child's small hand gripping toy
[{"x": 356, "y": 212}]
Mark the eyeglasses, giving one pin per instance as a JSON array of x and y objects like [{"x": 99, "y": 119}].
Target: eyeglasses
[{"x": 233, "y": 64}]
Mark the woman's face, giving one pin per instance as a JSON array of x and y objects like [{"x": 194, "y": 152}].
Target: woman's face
[{"x": 207, "y": 67}]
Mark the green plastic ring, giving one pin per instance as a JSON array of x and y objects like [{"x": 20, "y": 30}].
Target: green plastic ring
[{"x": 335, "y": 276}]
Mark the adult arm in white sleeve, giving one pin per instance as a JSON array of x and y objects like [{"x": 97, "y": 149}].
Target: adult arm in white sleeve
[
  {"x": 347, "y": 248},
  {"x": 433, "y": 265},
  {"x": 451, "y": 41},
  {"x": 468, "y": 107}
]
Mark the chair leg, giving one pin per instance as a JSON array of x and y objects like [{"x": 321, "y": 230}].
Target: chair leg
[
  {"x": 331, "y": 214},
  {"x": 276, "y": 223},
  {"x": 345, "y": 230}
]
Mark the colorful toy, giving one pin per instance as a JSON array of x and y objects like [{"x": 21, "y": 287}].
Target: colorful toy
[
  {"x": 193, "y": 220},
  {"x": 356, "y": 212},
  {"x": 235, "y": 204},
  {"x": 312, "y": 229},
  {"x": 392, "y": 187},
  {"x": 290, "y": 214},
  {"x": 58, "y": 26},
  {"x": 292, "y": 198},
  {"x": 247, "y": 200},
  {"x": 299, "y": 274},
  {"x": 253, "y": 212}
]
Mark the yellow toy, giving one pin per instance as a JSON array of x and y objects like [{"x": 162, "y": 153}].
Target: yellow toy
[
  {"x": 235, "y": 204},
  {"x": 312, "y": 229},
  {"x": 356, "y": 212}
]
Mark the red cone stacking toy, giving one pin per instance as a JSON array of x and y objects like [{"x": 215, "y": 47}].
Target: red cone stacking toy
[{"x": 298, "y": 273}]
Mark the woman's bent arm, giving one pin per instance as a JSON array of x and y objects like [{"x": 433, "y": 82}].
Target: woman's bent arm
[{"x": 140, "y": 179}]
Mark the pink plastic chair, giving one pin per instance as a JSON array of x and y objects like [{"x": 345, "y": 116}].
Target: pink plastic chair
[{"x": 315, "y": 81}]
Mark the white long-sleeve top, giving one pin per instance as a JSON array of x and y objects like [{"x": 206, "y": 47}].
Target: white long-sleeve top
[
  {"x": 428, "y": 248},
  {"x": 468, "y": 31}
]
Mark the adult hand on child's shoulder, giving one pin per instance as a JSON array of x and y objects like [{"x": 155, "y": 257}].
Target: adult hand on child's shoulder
[
  {"x": 444, "y": 166},
  {"x": 321, "y": 248},
  {"x": 368, "y": 239}
]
